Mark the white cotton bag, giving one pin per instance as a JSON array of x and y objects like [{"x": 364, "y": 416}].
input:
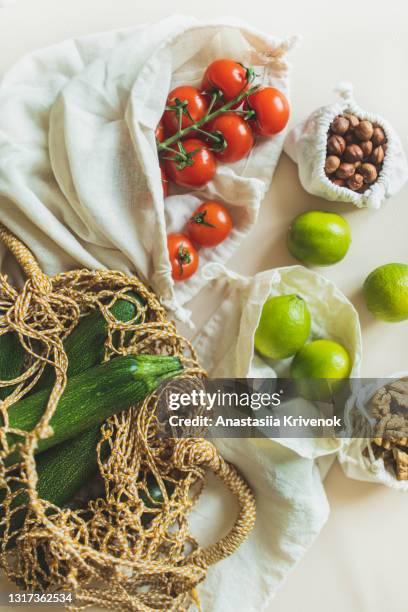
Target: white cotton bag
[
  {"x": 356, "y": 456},
  {"x": 306, "y": 144},
  {"x": 225, "y": 344},
  {"x": 103, "y": 148},
  {"x": 286, "y": 474}
]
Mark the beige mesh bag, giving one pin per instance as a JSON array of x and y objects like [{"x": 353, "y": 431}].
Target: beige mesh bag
[{"x": 106, "y": 550}]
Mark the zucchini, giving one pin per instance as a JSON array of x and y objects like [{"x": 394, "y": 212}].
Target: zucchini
[
  {"x": 61, "y": 471},
  {"x": 92, "y": 396},
  {"x": 85, "y": 346},
  {"x": 11, "y": 361}
]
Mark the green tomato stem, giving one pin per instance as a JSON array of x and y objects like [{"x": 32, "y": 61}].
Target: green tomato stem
[{"x": 208, "y": 117}]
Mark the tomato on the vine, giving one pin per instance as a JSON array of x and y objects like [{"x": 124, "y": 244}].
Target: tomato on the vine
[
  {"x": 183, "y": 256},
  {"x": 185, "y": 102},
  {"x": 165, "y": 182},
  {"x": 271, "y": 111},
  {"x": 210, "y": 224},
  {"x": 160, "y": 133},
  {"x": 226, "y": 76},
  {"x": 237, "y": 137},
  {"x": 192, "y": 165}
]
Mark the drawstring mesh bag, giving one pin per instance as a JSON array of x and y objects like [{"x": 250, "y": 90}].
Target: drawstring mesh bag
[{"x": 122, "y": 549}]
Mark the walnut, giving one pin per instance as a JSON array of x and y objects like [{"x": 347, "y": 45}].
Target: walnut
[
  {"x": 367, "y": 147},
  {"x": 400, "y": 385},
  {"x": 356, "y": 182},
  {"x": 353, "y": 153},
  {"x": 364, "y": 130},
  {"x": 332, "y": 163},
  {"x": 401, "y": 464},
  {"x": 345, "y": 171},
  {"x": 377, "y": 156},
  {"x": 340, "y": 125},
  {"x": 336, "y": 145},
  {"x": 378, "y": 136},
  {"x": 369, "y": 173}
]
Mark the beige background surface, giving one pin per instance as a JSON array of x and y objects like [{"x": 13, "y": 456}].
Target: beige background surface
[{"x": 359, "y": 562}]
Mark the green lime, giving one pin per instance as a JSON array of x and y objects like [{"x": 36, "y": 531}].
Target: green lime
[
  {"x": 284, "y": 326},
  {"x": 319, "y": 238},
  {"x": 386, "y": 292},
  {"x": 319, "y": 368}
]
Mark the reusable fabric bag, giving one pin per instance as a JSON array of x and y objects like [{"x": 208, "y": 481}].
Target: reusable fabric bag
[
  {"x": 286, "y": 473},
  {"x": 79, "y": 156},
  {"x": 306, "y": 144},
  {"x": 102, "y": 132},
  {"x": 356, "y": 456}
]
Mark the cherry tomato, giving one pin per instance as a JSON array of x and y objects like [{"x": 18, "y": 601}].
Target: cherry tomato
[
  {"x": 271, "y": 111},
  {"x": 199, "y": 167},
  {"x": 159, "y": 133},
  {"x": 227, "y": 76},
  {"x": 210, "y": 224},
  {"x": 165, "y": 183},
  {"x": 183, "y": 256},
  {"x": 237, "y": 136},
  {"x": 196, "y": 106}
]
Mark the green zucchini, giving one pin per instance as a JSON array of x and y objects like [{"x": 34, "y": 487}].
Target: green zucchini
[
  {"x": 85, "y": 346},
  {"x": 11, "y": 361},
  {"x": 61, "y": 471},
  {"x": 92, "y": 396}
]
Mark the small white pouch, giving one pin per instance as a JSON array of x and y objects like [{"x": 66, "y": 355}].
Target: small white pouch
[
  {"x": 286, "y": 474},
  {"x": 103, "y": 147},
  {"x": 356, "y": 456},
  {"x": 306, "y": 144}
]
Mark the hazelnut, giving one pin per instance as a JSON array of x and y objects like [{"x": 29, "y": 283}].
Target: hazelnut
[
  {"x": 369, "y": 173},
  {"x": 357, "y": 164},
  {"x": 364, "y": 130},
  {"x": 350, "y": 138},
  {"x": 336, "y": 145},
  {"x": 353, "y": 153},
  {"x": 339, "y": 182},
  {"x": 340, "y": 125},
  {"x": 378, "y": 136},
  {"x": 332, "y": 163},
  {"x": 366, "y": 147},
  {"x": 345, "y": 171},
  {"x": 377, "y": 156},
  {"x": 353, "y": 120},
  {"x": 355, "y": 182}
]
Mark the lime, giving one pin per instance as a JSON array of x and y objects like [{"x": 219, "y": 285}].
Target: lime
[
  {"x": 284, "y": 326},
  {"x": 386, "y": 292},
  {"x": 319, "y": 368},
  {"x": 319, "y": 238}
]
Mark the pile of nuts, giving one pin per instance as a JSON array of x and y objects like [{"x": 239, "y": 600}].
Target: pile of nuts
[
  {"x": 355, "y": 152},
  {"x": 389, "y": 407}
]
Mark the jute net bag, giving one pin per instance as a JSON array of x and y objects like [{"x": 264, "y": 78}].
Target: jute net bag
[{"x": 106, "y": 552}]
